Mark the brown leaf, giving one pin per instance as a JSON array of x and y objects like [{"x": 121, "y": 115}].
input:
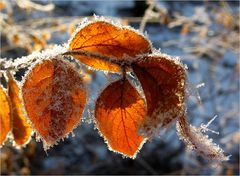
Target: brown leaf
[
  {"x": 54, "y": 97},
  {"x": 5, "y": 118},
  {"x": 163, "y": 82},
  {"x": 108, "y": 40},
  {"x": 119, "y": 111},
  {"x": 21, "y": 129}
]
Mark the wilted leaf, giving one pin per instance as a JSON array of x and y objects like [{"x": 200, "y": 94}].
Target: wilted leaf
[
  {"x": 108, "y": 40},
  {"x": 21, "y": 129},
  {"x": 196, "y": 140},
  {"x": 54, "y": 97},
  {"x": 163, "y": 82},
  {"x": 119, "y": 111},
  {"x": 4, "y": 116}
]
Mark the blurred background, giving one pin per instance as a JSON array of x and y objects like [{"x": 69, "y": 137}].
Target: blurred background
[{"x": 204, "y": 34}]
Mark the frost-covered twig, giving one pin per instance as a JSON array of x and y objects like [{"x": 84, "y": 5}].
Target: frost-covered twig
[
  {"x": 28, "y": 4},
  {"x": 204, "y": 128},
  {"x": 149, "y": 13},
  {"x": 25, "y": 61},
  {"x": 196, "y": 140}
]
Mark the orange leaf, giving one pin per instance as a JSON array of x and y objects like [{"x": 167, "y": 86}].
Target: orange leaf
[
  {"x": 21, "y": 129},
  {"x": 109, "y": 40},
  {"x": 119, "y": 112},
  {"x": 54, "y": 96},
  {"x": 163, "y": 82},
  {"x": 4, "y": 116}
]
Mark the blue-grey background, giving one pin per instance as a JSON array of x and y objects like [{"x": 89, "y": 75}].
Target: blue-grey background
[{"x": 209, "y": 46}]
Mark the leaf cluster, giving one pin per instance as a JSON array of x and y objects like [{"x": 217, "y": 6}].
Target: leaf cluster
[{"x": 52, "y": 96}]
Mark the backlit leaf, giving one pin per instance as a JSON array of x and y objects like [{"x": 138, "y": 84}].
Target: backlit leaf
[
  {"x": 108, "y": 40},
  {"x": 21, "y": 129},
  {"x": 119, "y": 111},
  {"x": 163, "y": 82},
  {"x": 54, "y": 96},
  {"x": 4, "y": 116}
]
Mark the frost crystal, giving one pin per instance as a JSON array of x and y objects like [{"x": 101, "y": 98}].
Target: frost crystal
[
  {"x": 196, "y": 140},
  {"x": 58, "y": 105}
]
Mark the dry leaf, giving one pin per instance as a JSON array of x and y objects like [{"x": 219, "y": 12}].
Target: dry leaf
[
  {"x": 196, "y": 140},
  {"x": 21, "y": 129},
  {"x": 163, "y": 82},
  {"x": 109, "y": 40},
  {"x": 119, "y": 111},
  {"x": 5, "y": 118},
  {"x": 54, "y": 97}
]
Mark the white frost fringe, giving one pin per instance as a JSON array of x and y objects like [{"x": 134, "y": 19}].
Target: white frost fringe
[{"x": 196, "y": 140}]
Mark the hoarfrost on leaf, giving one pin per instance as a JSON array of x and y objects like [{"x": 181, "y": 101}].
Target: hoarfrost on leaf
[{"x": 196, "y": 140}]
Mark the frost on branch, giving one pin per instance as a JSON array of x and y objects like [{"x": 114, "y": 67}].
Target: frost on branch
[
  {"x": 196, "y": 140},
  {"x": 28, "y": 61}
]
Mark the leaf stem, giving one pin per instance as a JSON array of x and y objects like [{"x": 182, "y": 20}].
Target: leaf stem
[{"x": 98, "y": 56}]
